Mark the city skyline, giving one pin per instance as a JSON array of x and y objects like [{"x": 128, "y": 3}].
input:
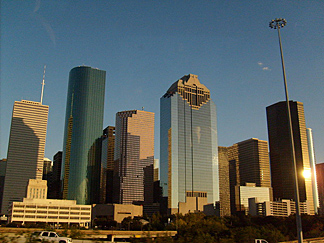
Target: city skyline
[{"x": 143, "y": 46}]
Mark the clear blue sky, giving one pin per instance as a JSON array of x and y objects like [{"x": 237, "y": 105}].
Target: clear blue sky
[{"x": 145, "y": 46}]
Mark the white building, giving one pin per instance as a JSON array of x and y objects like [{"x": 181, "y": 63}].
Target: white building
[{"x": 282, "y": 208}]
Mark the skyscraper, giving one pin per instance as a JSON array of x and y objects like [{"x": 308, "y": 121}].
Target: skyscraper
[
  {"x": 134, "y": 157},
  {"x": 26, "y": 149},
  {"x": 224, "y": 182},
  {"x": 320, "y": 186},
  {"x": 282, "y": 167},
  {"x": 189, "y": 152},
  {"x": 312, "y": 162},
  {"x": 82, "y": 136}
]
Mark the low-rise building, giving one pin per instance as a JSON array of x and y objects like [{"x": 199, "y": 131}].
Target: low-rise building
[
  {"x": 50, "y": 211},
  {"x": 282, "y": 208},
  {"x": 116, "y": 211}
]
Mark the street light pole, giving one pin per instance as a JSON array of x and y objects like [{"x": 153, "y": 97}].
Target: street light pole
[{"x": 277, "y": 24}]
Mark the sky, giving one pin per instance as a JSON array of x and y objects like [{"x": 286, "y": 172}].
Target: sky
[{"x": 145, "y": 46}]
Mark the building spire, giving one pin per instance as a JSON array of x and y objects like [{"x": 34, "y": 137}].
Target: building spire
[{"x": 43, "y": 84}]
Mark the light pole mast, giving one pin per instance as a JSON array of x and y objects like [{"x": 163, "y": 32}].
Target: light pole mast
[{"x": 277, "y": 24}]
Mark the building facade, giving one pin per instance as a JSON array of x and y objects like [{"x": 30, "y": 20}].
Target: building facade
[
  {"x": 188, "y": 143},
  {"x": 82, "y": 135},
  {"x": 134, "y": 157},
  {"x": 50, "y": 211},
  {"x": 224, "y": 182},
  {"x": 312, "y": 161},
  {"x": 107, "y": 158},
  {"x": 26, "y": 149},
  {"x": 320, "y": 186},
  {"x": 248, "y": 163},
  {"x": 54, "y": 191},
  {"x": 282, "y": 167}
]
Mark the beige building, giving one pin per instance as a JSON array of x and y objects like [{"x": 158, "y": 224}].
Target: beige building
[
  {"x": 50, "y": 211},
  {"x": 37, "y": 189},
  {"x": 134, "y": 157},
  {"x": 26, "y": 149},
  {"x": 117, "y": 211},
  {"x": 282, "y": 208}
]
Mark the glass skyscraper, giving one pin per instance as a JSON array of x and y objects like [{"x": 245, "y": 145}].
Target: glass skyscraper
[
  {"x": 82, "y": 135},
  {"x": 189, "y": 151}
]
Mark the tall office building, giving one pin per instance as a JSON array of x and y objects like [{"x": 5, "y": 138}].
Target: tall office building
[
  {"x": 249, "y": 163},
  {"x": 282, "y": 167},
  {"x": 54, "y": 191},
  {"x": 312, "y": 161},
  {"x": 26, "y": 149},
  {"x": 107, "y": 158},
  {"x": 188, "y": 152},
  {"x": 134, "y": 157},
  {"x": 82, "y": 135},
  {"x": 320, "y": 186},
  {"x": 224, "y": 182}
]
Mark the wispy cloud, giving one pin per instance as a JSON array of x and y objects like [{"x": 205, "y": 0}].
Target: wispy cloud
[{"x": 265, "y": 68}]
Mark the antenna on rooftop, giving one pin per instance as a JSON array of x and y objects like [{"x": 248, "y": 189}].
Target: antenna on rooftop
[{"x": 43, "y": 84}]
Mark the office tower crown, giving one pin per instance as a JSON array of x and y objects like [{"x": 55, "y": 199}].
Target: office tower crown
[{"x": 191, "y": 90}]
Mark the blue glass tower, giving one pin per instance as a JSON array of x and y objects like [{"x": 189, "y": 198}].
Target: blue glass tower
[
  {"x": 189, "y": 150},
  {"x": 83, "y": 129}
]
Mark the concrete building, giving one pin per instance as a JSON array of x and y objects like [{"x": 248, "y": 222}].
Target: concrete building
[
  {"x": 116, "y": 211},
  {"x": 282, "y": 167},
  {"x": 263, "y": 194},
  {"x": 248, "y": 163},
  {"x": 36, "y": 189},
  {"x": 50, "y": 211},
  {"x": 134, "y": 157},
  {"x": 188, "y": 143},
  {"x": 82, "y": 135},
  {"x": 283, "y": 208},
  {"x": 26, "y": 149}
]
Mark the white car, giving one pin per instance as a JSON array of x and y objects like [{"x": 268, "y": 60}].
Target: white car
[{"x": 50, "y": 236}]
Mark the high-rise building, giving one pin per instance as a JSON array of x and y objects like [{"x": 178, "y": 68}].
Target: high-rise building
[
  {"x": 54, "y": 191},
  {"x": 26, "y": 149},
  {"x": 312, "y": 161},
  {"x": 248, "y": 163},
  {"x": 82, "y": 135},
  {"x": 320, "y": 186},
  {"x": 134, "y": 157},
  {"x": 47, "y": 169},
  {"x": 224, "y": 182},
  {"x": 282, "y": 167},
  {"x": 107, "y": 158},
  {"x": 3, "y": 166},
  {"x": 188, "y": 145}
]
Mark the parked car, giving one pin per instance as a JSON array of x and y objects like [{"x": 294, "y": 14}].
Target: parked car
[{"x": 50, "y": 236}]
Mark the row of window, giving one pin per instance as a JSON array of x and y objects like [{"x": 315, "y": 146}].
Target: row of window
[
  {"x": 50, "y": 217},
  {"x": 51, "y": 212},
  {"x": 51, "y": 207}
]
